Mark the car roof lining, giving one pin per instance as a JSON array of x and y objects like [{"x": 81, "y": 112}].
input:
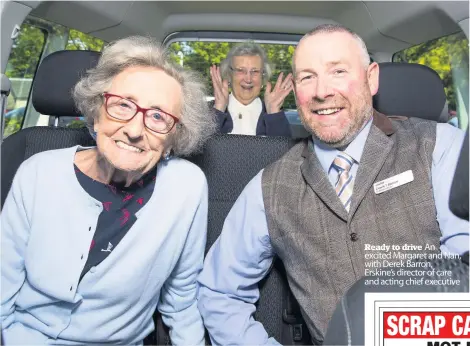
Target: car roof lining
[{"x": 386, "y": 26}]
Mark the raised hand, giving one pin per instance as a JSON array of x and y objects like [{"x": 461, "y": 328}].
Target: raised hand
[
  {"x": 274, "y": 97},
  {"x": 220, "y": 89}
]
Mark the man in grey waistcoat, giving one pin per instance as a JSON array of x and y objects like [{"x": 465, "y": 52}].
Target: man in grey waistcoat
[{"x": 328, "y": 198}]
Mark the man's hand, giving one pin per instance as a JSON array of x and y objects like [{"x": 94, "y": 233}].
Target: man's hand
[
  {"x": 220, "y": 89},
  {"x": 274, "y": 98}
]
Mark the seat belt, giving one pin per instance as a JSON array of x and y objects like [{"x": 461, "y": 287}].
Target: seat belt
[
  {"x": 162, "y": 333},
  {"x": 291, "y": 315},
  {"x": 5, "y": 87},
  {"x": 295, "y": 331}
]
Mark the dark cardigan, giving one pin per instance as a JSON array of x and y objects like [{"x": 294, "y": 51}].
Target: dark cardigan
[{"x": 275, "y": 124}]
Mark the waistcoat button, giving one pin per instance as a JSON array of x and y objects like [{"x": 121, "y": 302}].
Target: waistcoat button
[{"x": 353, "y": 236}]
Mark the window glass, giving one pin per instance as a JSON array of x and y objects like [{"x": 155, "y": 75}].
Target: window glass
[
  {"x": 80, "y": 41},
  {"x": 200, "y": 55},
  {"x": 448, "y": 56},
  {"x": 37, "y": 39},
  {"x": 24, "y": 59}
]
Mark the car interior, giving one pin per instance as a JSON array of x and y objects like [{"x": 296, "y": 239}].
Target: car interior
[{"x": 400, "y": 36}]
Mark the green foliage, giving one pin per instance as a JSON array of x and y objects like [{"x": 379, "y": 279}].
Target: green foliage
[
  {"x": 80, "y": 41},
  {"x": 25, "y": 52},
  {"x": 27, "y": 48},
  {"x": 445, "y": 56},
  {"x": 200, "y": 56},
  {"x": 76, "y": 124},
  {"x": 280, "y": 55},
  {"x": 11, "y": 126}
]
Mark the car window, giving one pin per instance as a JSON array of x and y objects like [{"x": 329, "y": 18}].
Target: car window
[
  {"x": 38, "y": 38},
  {"x": 200, "y": 55},
  {"x": 80, "y": 41},
  {"x": 448, "y": 56},
  {"x": 22, "y": 64}
]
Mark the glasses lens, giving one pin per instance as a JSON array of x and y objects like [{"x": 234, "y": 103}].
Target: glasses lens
[
  {"x": 241, "y": 71},
  {"x": 159, "y": 121},
  {"x": 120, "y": 108}
]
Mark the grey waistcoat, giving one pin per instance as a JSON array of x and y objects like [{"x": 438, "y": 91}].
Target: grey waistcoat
[{"x": 320, "y": 244}]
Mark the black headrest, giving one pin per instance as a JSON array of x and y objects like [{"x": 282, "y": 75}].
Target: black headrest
[
  {"x": 55, "y": 79},
  {"x": 411, "y": 90}
]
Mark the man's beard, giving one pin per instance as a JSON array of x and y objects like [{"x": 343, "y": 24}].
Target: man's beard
[{"x": 346, "y": 135}]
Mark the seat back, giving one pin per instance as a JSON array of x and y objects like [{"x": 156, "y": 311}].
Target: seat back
[
  {"x": 230, "y": 162},
  {"x": 52, "y": 95},
  {"x": 411, "y": 90},
  {"x": 25, "y": 143}
]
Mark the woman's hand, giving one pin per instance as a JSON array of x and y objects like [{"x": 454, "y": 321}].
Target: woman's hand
[
  {"x": 274, "y": 98},
  {"x": 220, "y": 89}
]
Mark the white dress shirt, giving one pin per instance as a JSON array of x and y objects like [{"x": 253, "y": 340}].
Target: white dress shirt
[{"x": 245, "y": 118}]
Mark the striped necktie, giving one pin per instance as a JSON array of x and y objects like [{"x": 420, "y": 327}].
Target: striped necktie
[{"x": 344, "y": 185}]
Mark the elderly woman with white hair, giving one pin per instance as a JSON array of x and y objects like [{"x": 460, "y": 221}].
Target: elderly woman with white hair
[
  {"x": 245, "y": 69},
  {"x": 89, "y": 252}
]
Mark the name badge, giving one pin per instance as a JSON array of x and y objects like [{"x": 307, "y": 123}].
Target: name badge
[{"x": 395, "y": 181}]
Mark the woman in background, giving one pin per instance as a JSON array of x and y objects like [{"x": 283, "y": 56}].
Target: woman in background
[{"x": 245, "y": 69}]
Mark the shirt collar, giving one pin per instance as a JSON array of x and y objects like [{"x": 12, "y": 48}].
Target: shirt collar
[
  {"x": 232, "y": 100},
  {"x": 327, "y": 154}
]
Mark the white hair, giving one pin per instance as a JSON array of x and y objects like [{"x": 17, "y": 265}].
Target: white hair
[{"x": 246, "y": 49}]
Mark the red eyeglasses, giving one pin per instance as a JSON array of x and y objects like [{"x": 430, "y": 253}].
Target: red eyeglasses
[{"x": 123, "y": 109}]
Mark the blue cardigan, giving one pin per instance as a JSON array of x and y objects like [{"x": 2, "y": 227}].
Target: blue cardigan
[{"x": 48, "y": 222}]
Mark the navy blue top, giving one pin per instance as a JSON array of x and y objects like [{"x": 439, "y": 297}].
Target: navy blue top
[
  {"x": 275, "y": 124},
  {"x": 120, "y": 204}
]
